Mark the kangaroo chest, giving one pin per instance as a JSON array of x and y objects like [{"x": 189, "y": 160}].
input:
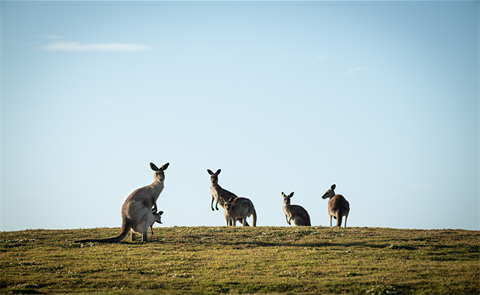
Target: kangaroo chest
[
  {"x": 287, "y": 209},
  {"x": 215, "y": 191}
]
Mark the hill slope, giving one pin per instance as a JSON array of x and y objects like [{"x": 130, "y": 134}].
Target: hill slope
[{"x": 244, "y": 260}]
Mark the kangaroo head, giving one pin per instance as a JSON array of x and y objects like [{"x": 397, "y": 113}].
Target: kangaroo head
[
  {"x": 287, "y": 198},
  {"x": 228, "y": 204},
  {"x": 157, "y": 216},
  {"x": 330, "y": 193},
  {"x": 159, "y": 172},
  {"x": 214, "y": 176}
]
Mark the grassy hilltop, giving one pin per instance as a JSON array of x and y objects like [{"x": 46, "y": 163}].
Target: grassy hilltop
[{"x": 244, "y": 260}]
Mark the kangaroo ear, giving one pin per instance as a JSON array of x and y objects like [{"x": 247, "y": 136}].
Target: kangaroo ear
[
  {"x": 283, "y": 194},
  {"x": 164, "y": 167},
  {"x": 160, "y": 213},
  {"x": 333, "y": 186},
  {"x": 153, "y": 166},
  {"x": 210, "y": 172},
  {"x": 218, "y": 171},
  {"x": 291, "y": 195}
]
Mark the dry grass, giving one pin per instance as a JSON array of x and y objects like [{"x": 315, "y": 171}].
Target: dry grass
[{"x": 244, "y": 260}]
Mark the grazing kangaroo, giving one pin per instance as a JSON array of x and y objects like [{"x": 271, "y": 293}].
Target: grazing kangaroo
[
  {"x": 338, "y": 206},
  {"x": 218, "y": 193},
  {"x": 239, "y": 209},
  {"x": 137, "y": 210},
  {"x": 295, "y": 213}
]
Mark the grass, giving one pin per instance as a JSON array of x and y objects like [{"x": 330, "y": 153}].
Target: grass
[{"x": 243, "y": 260}]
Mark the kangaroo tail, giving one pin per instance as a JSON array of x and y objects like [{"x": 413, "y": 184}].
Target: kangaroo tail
[
  {"x": 254, "y": 217},
  {"x": 126, "y": 226},
  {"x": 339, "y": 220}
]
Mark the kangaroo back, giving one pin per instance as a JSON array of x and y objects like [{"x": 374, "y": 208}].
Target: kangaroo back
[
  {"x": 301, "y": 216},
  {"x": 338, "y": 207}
]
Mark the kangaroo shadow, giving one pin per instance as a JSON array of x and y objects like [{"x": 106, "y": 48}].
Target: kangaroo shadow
[{"x": 309, "y": 245}]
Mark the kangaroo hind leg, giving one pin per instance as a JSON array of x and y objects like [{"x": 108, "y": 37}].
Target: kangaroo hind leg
[
  {"x": 144, "y": 234},
  {"x": 339, "y": 220},
  {"x": 133, "y": 236},
  {"x": 244, "y": 220}
]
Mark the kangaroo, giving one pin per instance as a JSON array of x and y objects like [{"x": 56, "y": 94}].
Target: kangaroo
[
  {"x": 136, "y": 228},
  {"x": 157, "y": 217},
  {"x": 338, "y": 206},
  {"x": 295, "y": 213},
  {"x": 137, "y": 210},
  {"x": 239, "y": 208},
  {"x": 218, "y": 193}
]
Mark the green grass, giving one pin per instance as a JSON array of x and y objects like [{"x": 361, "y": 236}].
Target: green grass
[{"x": 244, "y": 260}]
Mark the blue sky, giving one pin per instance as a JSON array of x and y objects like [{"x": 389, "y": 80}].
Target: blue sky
[{"x": 380, "y": 98}]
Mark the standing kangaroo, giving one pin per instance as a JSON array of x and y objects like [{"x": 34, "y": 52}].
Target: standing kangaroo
[
  {"x": 338, "y": 206},
  {"x": 239, "y": 209},
  {"x": 295, "y": 213},
  {"x": 137, "y": 210},
  {"x": 218, "y": 193}
]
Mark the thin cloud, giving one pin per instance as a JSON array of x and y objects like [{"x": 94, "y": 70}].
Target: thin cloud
[
  {"x": 321, "y": 57},
  {"x": 75, "y": 46},
  {"x": 352, "y": 71}
]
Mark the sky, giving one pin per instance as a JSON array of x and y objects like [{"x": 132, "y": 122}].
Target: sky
[{"x": 379, "y": 98}]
